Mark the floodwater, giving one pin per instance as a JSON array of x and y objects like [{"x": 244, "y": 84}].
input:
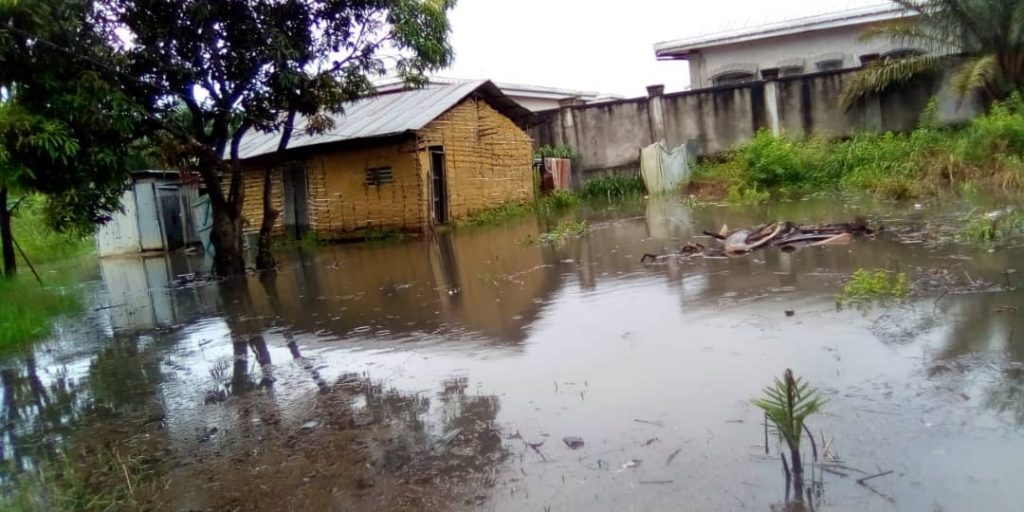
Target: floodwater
[{"x": 443, "y": 373}]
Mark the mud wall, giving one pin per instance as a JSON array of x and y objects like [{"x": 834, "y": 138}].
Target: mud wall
[
  {"x": 609, "y": 135},
  {"x": 488, "y": 159}
]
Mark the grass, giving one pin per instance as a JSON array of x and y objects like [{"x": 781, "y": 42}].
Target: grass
[
  {"x": 928, "y": 160},
  {"x": 42, "y": 244},
  {"x": 106, "y": 480},
  {"x": 866, "y": 286},
  {"x": 566, "y": 229},
  {"x": 59, "y": 258},
  {"x": 992, "y": 227},
  {"x": 613, "y": 187},
  {"x": 557, "y": 201}
]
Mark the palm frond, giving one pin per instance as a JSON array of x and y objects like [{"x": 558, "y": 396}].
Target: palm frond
[
  {"x": 975, "y": 75},
  {"x": 885, "y": 73},
  {"x": 909, "y": 33},
  {"x": 787, "y": 403}
]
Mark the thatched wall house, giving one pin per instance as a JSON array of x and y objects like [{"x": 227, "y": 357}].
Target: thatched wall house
[{"x": 400, "y": 161}]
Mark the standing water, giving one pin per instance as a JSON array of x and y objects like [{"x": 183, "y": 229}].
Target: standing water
[{"x": 482, "y": 370}]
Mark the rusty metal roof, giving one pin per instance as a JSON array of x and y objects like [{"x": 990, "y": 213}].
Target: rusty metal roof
[{"x": 386, "y": 115}]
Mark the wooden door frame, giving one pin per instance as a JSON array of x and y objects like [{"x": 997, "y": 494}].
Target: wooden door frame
[{"x": 444, "y": 196}]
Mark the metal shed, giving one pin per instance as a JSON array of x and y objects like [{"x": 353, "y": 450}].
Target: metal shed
[{"x": 156, "y": 216}]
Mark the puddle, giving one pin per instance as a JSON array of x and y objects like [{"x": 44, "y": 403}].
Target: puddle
[{"x": 475, "y": 371}]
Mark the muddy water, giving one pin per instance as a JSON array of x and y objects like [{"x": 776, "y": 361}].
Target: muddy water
[{"x": 444, "y": 373}]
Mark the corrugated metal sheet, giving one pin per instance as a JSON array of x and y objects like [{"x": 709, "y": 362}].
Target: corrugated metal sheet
[{"x": 375, "y": 116}]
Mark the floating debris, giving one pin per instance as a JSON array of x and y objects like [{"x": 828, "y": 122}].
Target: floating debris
[{"x": 573, "y": 442}]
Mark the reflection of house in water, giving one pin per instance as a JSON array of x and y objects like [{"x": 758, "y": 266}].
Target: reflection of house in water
[
  {"x": 143, "y": 294},
  {"x": 485, "y": 283}
]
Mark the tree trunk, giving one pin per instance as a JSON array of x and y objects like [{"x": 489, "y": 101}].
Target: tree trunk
[
  {"x": 798, "y": 469},
  {"x": 226, "y": 237},
  {"x": 6, "y": 236},
  {"x": 264, "y": 255}
]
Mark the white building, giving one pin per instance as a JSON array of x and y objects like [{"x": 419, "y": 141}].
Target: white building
[
  {"x": 810, "y": 44},
  {"x": 532, "y": 97}
]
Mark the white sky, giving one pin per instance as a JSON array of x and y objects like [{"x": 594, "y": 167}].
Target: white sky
[{"x": 599, "y": 45}]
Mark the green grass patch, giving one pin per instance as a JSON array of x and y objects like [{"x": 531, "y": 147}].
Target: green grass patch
[
  {"x": 557, "y": 201},
  {"x": 29, "y": 310},
  {"x": 566, "y": 229},
  {"x": 930, "y": 159},
  {"x": 993, "y": 226},
  {"x": 613, "y": 187},
  {"x": 41, "y": 243},
  {"x": 867, "y": 286}
]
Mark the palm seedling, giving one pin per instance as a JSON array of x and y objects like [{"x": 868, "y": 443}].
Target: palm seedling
[{"x": 787, "y": 403}]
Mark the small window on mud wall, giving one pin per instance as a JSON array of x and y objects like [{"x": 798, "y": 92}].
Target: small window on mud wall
[{"x": 378, "y": 176}]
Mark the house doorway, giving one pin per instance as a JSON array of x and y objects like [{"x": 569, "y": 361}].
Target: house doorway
[
  {"x": 438, "y": 185},
  {"x": 295, "y": 200}
]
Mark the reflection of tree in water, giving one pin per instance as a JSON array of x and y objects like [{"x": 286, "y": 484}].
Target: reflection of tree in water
[
  {"x": 356, "y": 443},
  {"x": 86, "y": 436}
]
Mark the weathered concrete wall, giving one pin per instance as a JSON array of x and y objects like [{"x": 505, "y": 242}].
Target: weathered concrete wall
[
  {"x": 716, "y": 119},
  {"x": 610, "y": 135}
]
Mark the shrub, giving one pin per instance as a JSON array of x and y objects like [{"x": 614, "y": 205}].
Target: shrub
[
  {"x": 866, "y": 286},
  {"x": 562, "y": 151},
  {"x": 611, "y": 187}
]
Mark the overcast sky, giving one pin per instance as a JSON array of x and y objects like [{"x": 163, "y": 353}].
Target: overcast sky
[{"x": 599, "y": 45}]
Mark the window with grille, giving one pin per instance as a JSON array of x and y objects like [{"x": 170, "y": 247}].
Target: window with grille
[{"x": 378, "y": 176}]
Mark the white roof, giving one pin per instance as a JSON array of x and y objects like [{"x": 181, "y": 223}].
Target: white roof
[
  {"x": 834, "y": 19},
  {"x": 383, "y": 115}
]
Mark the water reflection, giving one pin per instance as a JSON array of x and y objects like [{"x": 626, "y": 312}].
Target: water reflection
[{"x": 382, "y": 375}]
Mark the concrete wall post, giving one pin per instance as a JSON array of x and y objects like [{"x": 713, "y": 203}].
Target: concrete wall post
[
  {"x": 656, "y": 112},
  {"x": 568, "y": 123}
]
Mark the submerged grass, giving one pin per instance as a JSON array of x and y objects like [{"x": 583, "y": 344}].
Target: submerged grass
[
  {"x": 566, "y": 229},
  {"x": 552, "y": 203},
  {"x": 867, "y": 286},
  {"x": 929, "y": 159}
]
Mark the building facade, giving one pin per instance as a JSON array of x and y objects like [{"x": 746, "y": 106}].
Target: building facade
[
  {"x": 403, "y": 161},
  {"x": 825, "y": 42}
]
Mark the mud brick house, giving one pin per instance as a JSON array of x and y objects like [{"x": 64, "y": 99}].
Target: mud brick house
[{"x": 404, "y": 161}]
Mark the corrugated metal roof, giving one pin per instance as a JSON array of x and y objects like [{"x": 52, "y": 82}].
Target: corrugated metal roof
[{"x": 376, "y": 116}]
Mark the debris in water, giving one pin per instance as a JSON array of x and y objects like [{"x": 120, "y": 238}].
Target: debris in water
[
  {"x": 655, "y": 423},
  {"x": 310, "y": 425},
  {"x": 655, "y": 482},
  {"x": 787, "y": 236},
  {"x": 651, "y": 441},
  {"x": 790, "y": 312},
  {"x": 630, "y": 464},
  {"x": 673, "y": 456},
  {"x": 573, "y": 442}
]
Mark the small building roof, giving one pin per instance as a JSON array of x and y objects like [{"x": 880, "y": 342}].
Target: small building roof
[
  {"x": 386, "y": 115},
  {"x": 395, "y": 83},
  {"x": 680, "y": 48}
]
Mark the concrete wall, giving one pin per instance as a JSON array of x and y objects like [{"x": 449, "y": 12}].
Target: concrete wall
[{"x": 609, "y": 136}]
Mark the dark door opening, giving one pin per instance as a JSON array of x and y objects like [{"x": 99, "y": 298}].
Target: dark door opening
[
  {"x": 295, "y": 201},
  {"x": 438, "y": 185}
]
